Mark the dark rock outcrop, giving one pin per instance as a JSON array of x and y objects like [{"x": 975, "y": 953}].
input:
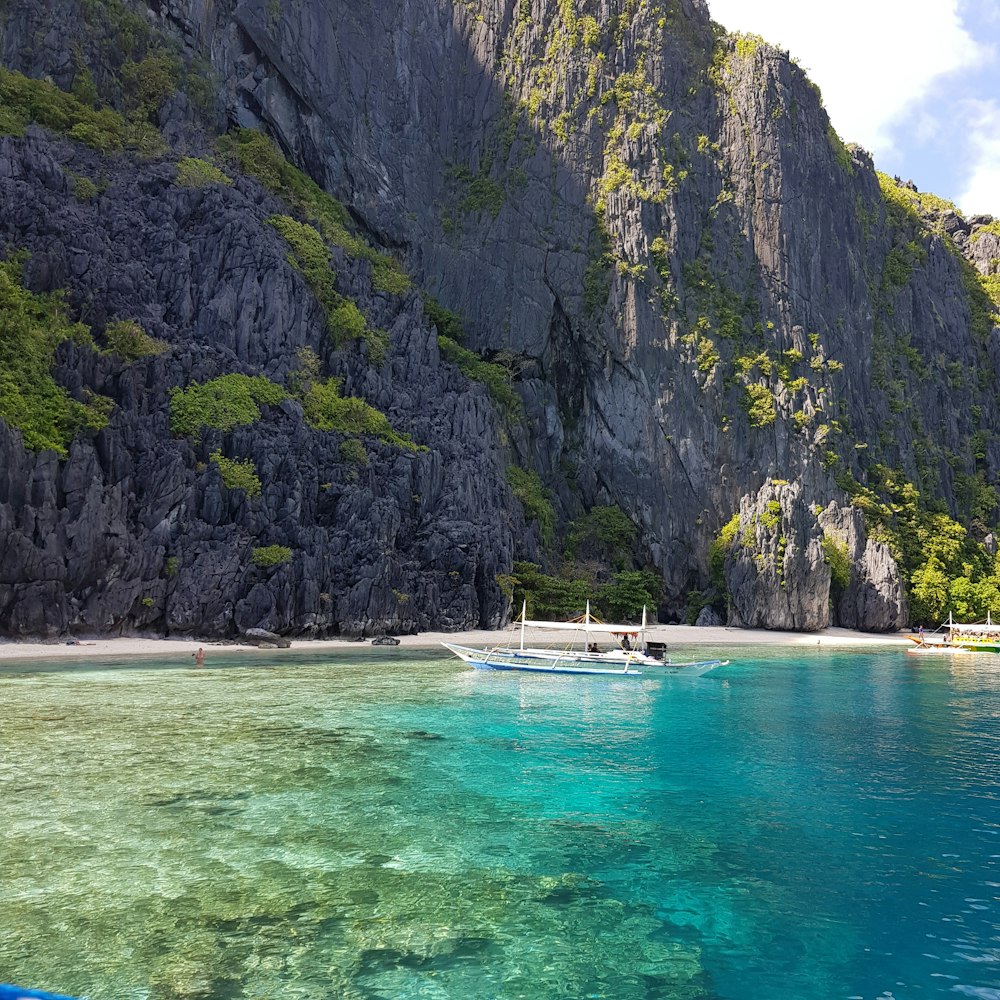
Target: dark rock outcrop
[
  {"x": 709, "y": 618},
  {"x": 136, "y": 529},
  {"x": 776, "y": 572},
  {"x": 874, "y": 600},
  {"x": 266, "y": 640}
]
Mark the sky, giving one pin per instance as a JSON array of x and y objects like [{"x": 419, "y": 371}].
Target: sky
[{"x": 916, "y": 82}]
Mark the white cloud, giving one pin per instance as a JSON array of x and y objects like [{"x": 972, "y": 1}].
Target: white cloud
[
  {"x": 982, "y": 188},
  {"x": 874, "y": 60}
]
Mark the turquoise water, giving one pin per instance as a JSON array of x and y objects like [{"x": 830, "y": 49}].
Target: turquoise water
[{"x": 821, "y": 825}]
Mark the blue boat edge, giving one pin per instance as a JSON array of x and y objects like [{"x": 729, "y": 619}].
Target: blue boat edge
[{"x": 10, "y": 992}]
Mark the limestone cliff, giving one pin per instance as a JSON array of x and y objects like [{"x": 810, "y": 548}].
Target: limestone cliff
[
  {"x": 135, "y": 527},
  {"x": 706, "y": 293}
]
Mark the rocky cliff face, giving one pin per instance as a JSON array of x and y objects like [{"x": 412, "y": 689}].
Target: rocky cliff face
[
  {"x": 776, "y": 572},
  {"x": 705, "y": 290},
  {"x": 136, "y": 529}
]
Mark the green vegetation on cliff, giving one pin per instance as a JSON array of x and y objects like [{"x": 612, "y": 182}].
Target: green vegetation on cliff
[
  {"x": 726, "y": 312},
  {"x": 945, "y": 567},
  {"x": 905, "y": 203},
  {"x": 914, "y": 215},
  {"x": 24, "y": 100},
  {"x": 599, "y": 271},
  {"x": 495, "y": 377},
  {"x": 269, "y": 556},
  {"x": 720, "y": 548},
  {"x": 120, "y": 58},
  {"x": 130, "y": 342},
  {"x": 838, "y": 558},
  {"x": 605, "y": 533},
  {"x": 237, "y": 474},
  {"x": 311, "y": 256},
  {"x": 983, "y": 296},
  {"x": 534, "y": 498},
  {"x": 147, "y": 83},
  {"x": 448, "y": 323},
  {"x": 260, "y": 158},
  {"x": 758, "y": 401},
  {"x": 196, "y": 173},
  {"x": 990, "y": 229},
  {"x": 483, "y": 194},
  {"x": 222, "y": 403},
  {"x": 327, "y": 410},
  {"x": 234, "y": 400},
  {"x": 31, "y": 329}
]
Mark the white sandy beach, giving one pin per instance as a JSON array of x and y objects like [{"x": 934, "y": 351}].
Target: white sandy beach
[{"x": 673, "y": 635}]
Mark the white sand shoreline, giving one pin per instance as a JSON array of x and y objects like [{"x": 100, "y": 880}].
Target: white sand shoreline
[{"x": 673, "y": 635}]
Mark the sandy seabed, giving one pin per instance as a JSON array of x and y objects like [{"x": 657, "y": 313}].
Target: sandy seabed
[{"x": 673, "y": 635}]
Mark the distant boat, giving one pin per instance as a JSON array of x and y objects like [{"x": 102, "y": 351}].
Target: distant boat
[
  {"x": 973, "y": 637},
  {"x": 629, "y": 653}
]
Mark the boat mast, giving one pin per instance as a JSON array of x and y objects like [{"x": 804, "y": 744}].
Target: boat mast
[
  {"x": 524, "y": 614},
  {"x": 586, "y": 622}
]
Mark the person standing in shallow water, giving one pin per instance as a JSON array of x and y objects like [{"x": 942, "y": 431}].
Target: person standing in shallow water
[{"x": 199, "y": 657}]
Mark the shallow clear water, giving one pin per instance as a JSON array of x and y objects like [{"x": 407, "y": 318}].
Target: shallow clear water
[{"x": 821, "y": 825}]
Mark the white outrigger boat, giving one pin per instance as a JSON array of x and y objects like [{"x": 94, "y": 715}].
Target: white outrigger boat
[
  {"x": 582, "y": 653},
  {"x": 975, "y": 637}
]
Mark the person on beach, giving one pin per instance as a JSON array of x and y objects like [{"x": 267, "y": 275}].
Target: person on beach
[{"x": 199, "y": 657}]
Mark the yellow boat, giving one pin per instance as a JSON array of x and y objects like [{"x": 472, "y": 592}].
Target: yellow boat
[{"x": 974, "y": 637}]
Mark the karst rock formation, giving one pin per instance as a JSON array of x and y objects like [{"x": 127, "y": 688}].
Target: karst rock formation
[{"x": 708, "y": 307}]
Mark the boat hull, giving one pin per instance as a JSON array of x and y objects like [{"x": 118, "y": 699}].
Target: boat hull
[
  {"x": 546, "y": 662},
  {"x": 937, "y": 650}
]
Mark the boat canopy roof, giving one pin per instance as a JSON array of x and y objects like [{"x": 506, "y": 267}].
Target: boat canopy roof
[
  {"x": 989, "y": 627},
  {"x": 585, "y": 623},
  {"x": 581, "y": 626}
]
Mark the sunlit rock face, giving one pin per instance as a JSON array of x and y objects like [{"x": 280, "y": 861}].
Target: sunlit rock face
[{"x": 776, "y": 573}]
